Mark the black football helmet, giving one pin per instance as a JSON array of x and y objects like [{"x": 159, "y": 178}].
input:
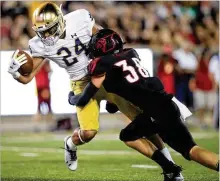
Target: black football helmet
[{"x": 104, "y": 42}]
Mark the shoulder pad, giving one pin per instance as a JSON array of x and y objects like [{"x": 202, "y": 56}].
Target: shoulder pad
[
  {"x": 36, "y": 47},
  {"x": 130, "y": 52}
]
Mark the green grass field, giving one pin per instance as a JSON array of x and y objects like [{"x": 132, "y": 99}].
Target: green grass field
[{"x": 38, "y": 157}]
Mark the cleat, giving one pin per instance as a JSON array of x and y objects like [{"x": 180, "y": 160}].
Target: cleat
[
  {"x": 179, "y": 177},
  {"x": 174, "y": 174},
  {"x": 70, "y": 156}
]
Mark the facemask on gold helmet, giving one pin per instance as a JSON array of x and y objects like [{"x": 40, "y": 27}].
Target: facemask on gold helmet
[{"x": 48, "y": 23}]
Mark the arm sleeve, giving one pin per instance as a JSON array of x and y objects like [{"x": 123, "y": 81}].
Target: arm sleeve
[{"x": 83, "y": 98}]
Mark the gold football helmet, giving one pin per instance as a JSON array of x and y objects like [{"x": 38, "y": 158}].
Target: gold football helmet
[{"x": 48, "y": 23}]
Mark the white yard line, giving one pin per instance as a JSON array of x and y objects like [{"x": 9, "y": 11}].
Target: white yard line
[
  {"x": 84, "y": 152},
  {"x": 29, "y": 154},
  {"x": 99, "y": 137},
  {"x": 20, "y": 149},
  {"x": 59, "y": 150},
  {"x": 145, "y": 166}
]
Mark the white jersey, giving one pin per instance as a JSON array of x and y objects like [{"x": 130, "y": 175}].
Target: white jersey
[{"x": 70, "y": 52}]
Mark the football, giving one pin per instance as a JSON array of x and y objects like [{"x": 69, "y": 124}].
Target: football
[{"x": 26, "y": 68}]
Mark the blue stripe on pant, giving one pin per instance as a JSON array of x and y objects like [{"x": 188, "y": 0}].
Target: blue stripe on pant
[{"x": 183, "y": 93}]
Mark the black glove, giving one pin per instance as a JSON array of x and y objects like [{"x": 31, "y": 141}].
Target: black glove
[
  {"x": 71, "y": 94},
  {"x": 111, "y": 108},
  {"x": 72, "y": 98},
  {"x": 82, "y": 99}
]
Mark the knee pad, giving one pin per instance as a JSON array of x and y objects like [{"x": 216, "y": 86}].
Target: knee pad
[
  {"x": 140, "y": 127},
  {"x": 126, "y": 135},
  {"x": 186, "y": 153},
  {"x": 189, "y": 144},
  {"x": 111, "y": 108}
]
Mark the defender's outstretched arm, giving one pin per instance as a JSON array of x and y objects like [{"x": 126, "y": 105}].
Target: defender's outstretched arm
[{"x": 88, "y": 92}]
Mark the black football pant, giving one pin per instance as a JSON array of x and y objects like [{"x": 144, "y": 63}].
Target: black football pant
[{"x": 168, "y": 124}]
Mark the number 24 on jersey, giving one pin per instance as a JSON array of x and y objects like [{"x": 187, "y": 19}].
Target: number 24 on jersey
[{"x": 79, "y": 48}]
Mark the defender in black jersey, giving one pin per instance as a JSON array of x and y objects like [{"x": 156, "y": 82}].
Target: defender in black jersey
[
  {"x": 126, "y": 77},
  {"x": 120, "y": 72}
]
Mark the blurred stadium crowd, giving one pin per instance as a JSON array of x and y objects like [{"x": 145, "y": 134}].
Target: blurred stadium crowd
[
  {"x": 183, "y": 35},
  {"x": 158, "y": 25}
]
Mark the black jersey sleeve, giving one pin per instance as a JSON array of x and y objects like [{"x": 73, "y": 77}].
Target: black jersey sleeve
[
  {"x": 101, "y": 65},
  {"x": 95, "y": 67},
  {"x": 133, "y": 53}
]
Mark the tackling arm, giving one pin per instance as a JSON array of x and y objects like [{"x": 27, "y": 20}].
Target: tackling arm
[{"x": 89, "y": 91}]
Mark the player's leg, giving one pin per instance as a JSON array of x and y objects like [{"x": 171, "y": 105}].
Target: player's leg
[
  {"x": 158, "y": 142},
  {"x": 183, "y": 142},
  {"x": 87, "y": 116},
  {"x": 205, "y": 157},
  {"x": 48, "y": 114},
  {"x": 37, "y": 118},
  {"x": 89, "y": 125},
  {"x": 132, "y": 132},
  {"x": 131, "y": 136},
  {"x": 144, "y": 147},
  {"x": 131, "y": 112},
  {"x": 176, "y": 135},
  {"x": 88, "y": 121},
  {"x": 112, "y": 108}
]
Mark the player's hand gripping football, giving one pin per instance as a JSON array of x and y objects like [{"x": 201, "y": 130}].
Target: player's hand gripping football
[{"x": 16, "y": 62}]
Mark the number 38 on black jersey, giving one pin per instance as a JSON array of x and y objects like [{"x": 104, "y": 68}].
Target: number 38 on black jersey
[{"x": 126, "y": 77}]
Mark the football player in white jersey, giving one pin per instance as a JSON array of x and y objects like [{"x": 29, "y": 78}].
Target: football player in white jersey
[{"x": 63, "y": 39}]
